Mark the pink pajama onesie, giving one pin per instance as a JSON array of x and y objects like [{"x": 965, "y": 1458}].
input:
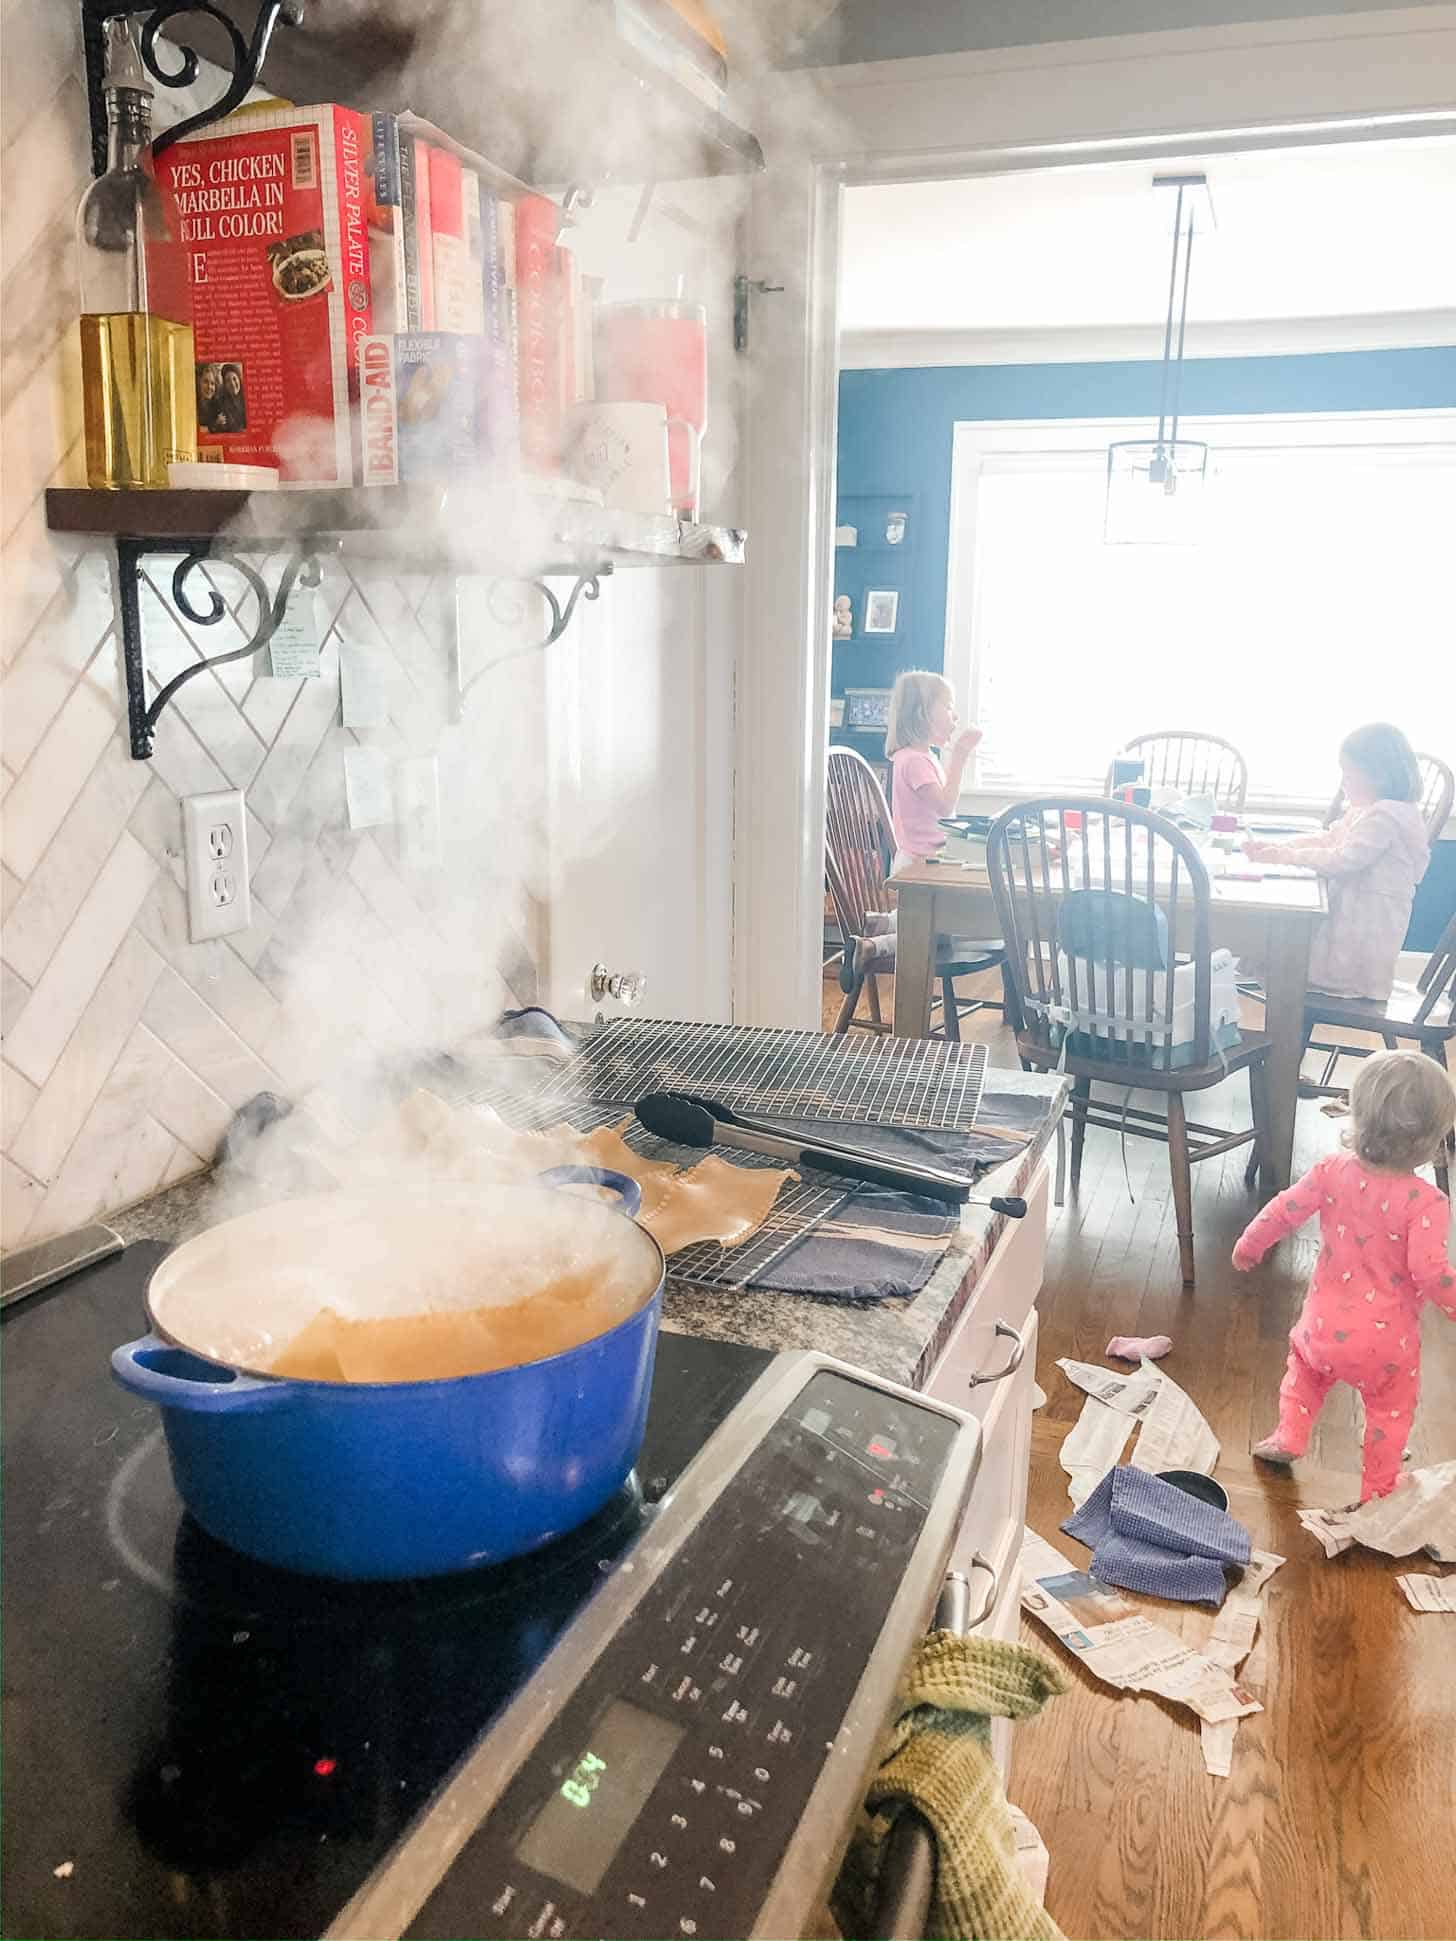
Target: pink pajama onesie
[{"x": 1383, "y": 1254}]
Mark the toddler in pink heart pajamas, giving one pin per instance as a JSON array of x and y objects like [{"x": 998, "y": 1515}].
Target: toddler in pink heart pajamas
[{"x": 1383, "y": 1235}]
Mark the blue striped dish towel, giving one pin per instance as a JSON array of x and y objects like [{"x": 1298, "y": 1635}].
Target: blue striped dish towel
[{"x": 1146, "y": 1535}]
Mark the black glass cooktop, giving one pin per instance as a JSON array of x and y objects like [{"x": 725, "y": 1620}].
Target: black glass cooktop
[{"x": 195, "y": 1744}]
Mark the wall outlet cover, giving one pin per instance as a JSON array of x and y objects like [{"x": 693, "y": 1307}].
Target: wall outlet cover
[{"x": 216, "y": 833}]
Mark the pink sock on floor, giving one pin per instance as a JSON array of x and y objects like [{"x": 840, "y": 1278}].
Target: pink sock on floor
[{"x": 1133, "y": 1347}]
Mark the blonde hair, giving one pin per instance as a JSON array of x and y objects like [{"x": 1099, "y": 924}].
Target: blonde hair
[
  {"x": 915, "y": 694},
  {"x": 1402, "y": 1106}
]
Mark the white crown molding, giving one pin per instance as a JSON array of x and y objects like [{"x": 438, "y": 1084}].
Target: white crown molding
[{"x": 869, "y": 350}]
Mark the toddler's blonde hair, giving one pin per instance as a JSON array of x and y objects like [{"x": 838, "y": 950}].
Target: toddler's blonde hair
[
  {"x": 1402, "y": 1106},
  {"x": 916, "y": 693}
]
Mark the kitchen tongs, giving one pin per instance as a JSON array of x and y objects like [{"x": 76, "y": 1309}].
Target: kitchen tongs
[{"x": 706, "y": 1122}]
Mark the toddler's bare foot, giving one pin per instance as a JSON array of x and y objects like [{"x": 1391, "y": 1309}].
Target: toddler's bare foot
[{"x": 1272, "y": 1450}]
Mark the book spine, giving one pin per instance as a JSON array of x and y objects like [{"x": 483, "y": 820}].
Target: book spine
[
  {"x": 540, "y": 390},
  {"x": 472, "y": 299},
  {"x": 447, "y": 219},
  {"x": 425, "y": 234},
  {"x": 389, "y": 198},
  {"x": 410, "y": 230},
  {"x": 379, "y": 412},
  {"x": 506, "y": 221},
  {"x": 568, "y": 285},
  {"x": 499, "y": 430}
]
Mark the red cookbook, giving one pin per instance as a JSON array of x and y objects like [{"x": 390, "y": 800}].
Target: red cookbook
[{"x": 290, "y": 221}]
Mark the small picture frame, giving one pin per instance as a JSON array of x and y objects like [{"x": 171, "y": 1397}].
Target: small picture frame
[
  {"x": 866, "y": 707},
  {"x": 881, "y": 611}
]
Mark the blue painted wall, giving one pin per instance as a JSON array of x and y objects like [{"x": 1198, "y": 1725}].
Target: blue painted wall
[{"x": 895, "y": 430}]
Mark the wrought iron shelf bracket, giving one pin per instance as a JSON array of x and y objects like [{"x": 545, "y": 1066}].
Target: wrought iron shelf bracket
[
  {"x": 588, "y": 586},
  {"x": 302, "y": 567},
  {"x": 247, "y": 54}
]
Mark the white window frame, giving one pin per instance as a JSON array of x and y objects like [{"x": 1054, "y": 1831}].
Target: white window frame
[{"x": 982, "y": 445}]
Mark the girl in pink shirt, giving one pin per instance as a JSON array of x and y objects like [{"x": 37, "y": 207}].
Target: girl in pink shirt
[
  {"x": 923, "y": 718},
  {"x": 1383, "y": 1253},
  {"x": 1371, "y": 859}
]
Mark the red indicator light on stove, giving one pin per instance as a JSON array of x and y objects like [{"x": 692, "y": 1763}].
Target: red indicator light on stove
[
  {"x": 882, "y": 1450},
  {"x": 326, "y": 1768}
]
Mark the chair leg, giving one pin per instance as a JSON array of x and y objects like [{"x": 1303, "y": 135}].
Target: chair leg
[
  {"x": 848, "y": 1008},
  {"x": 1446, "y": 1159},
  {"x": 1182, "y": 1172},
  {"x": 1261, "y": 1154},
  {"x": 1081, "y": 1097},
  {"x": 950, "y": 1011},
  {"x": 872, "y": 985}
]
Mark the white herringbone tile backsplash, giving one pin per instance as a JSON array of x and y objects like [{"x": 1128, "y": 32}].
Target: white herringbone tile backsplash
[{"x": 127, "y": 1048}]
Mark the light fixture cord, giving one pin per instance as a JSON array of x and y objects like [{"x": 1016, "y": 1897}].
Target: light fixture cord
[
  {"x": 1168, "y": 326},
  {"x": 1182, "y": 314}
]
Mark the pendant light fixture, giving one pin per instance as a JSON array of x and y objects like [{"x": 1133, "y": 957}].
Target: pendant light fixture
[{"x": 1155, "y": 485}]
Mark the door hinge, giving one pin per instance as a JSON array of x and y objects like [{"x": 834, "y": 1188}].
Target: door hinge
[{"x": 745, "y": 287}]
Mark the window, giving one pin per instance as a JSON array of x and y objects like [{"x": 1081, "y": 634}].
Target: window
[{"x": 1323, "y": 594}]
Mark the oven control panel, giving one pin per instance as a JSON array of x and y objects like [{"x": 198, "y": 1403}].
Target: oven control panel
[{"x": 689, "y": 1758}]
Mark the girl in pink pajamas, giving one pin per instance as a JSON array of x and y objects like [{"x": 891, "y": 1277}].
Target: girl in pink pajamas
[{"x": 1383, "y": 1253}]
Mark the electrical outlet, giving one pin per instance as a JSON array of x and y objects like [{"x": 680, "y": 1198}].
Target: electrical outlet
[{"x": 217, "y": 864}]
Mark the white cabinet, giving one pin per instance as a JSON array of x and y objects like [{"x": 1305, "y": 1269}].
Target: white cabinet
[{"x": 989, "y": 1367}]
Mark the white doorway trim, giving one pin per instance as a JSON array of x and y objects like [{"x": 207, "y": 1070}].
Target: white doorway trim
[{"x": 1327, "y": 79}]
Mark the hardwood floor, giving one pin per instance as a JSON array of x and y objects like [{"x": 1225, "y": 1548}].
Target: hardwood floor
[{"x": 1337, "y": 1819}]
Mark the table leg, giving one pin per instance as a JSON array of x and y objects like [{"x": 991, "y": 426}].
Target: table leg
[
  {"x": 1286, "y": 975},
  {"x": 914, "y": 964}
]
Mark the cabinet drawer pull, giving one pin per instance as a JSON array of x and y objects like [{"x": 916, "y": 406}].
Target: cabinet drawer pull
[
  {"x": 1013, "y": 1360},
  {"x": 978, "y": 1562}
]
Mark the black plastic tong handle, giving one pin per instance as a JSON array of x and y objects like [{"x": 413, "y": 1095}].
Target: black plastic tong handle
[{"x": 953, "y": 1192}]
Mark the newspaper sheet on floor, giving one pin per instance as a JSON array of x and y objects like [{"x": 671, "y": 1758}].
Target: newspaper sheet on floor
[
  {"x": 1172, "y": 1433},
  {"x": 1425, "y": 1593},
  {"x": 1119, "y": 1645},
  {"x": 1234, "y": 1632},
  {"x": 1418, "y": 1514}
]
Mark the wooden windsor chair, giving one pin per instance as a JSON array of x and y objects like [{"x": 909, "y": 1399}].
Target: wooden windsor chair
[
  {"x": 1193, "y": 763},
  {"x": 1093, "y": 910}
]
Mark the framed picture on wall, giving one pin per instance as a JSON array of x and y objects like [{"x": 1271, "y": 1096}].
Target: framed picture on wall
[{"x": 881, "y": 611}]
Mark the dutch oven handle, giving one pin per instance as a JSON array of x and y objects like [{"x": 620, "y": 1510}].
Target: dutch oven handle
[
  {"x": 156, "y": 1370},
  {"x": 625, "y": 1187}
]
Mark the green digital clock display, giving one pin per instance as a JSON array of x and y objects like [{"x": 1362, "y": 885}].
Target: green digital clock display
[{"x": 579, "y": 1831}]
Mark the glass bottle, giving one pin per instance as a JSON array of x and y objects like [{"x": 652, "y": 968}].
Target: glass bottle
[{"x": 138, "y": 391}]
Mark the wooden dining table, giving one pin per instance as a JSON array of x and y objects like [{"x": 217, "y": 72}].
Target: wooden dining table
[{"x": 1269, "y": 923}]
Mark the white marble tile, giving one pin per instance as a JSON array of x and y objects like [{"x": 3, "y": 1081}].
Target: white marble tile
[
  {"x": 212, "y": 969},
  {"x": 59, "y": 1000},
  {"x": 54, "y": 776},
  {"x": 156, "y": 822},
  {"x": 17, "y": 1095},
  {"x": 42, "y": 300},
  {"x": 56, "y": 166},
  {"x": 42, "y": 47},
  {"x": 204, "y": 1044},
  {"x": 175, "y": 1097},
  {"x": 84, "y": 1067},
  {"x": 58, "y": 884},
  {"x": 33, "y": 568},
  {"x": 42, "y": 674},
  {"x": 21, "y": 1199},
  {"x": 119, "y": 1157},
  {"x": 42, "y": 420},
  {"x": 182, "y": 1165}
]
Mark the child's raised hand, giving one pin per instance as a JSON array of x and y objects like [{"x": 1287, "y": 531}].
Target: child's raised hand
[
  {"x": 965, "y": 741},
  {"x": 1244, "y": 1258}
]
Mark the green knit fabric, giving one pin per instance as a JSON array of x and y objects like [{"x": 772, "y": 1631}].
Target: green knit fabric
[{"x": 939, "y": 1761}]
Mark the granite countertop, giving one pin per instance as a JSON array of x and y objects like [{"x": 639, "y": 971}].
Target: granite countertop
[{"x": 899, "y": 1338}]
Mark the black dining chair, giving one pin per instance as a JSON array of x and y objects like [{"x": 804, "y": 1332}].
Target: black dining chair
[
  {"x": 1092, "y": 912},
  {"x": 1419, "y": 1017},
  {"x": 859, "y": 847}
]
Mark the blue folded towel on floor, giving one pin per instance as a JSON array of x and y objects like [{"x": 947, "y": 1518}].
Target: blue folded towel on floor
[{"x": 1147, "y": 1535}]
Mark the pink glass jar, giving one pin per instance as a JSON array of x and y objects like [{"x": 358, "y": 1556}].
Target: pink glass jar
[{"x": 657, "y": 353}]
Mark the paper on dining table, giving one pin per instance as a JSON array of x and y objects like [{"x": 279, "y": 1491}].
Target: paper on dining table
[
  {"x": 1117, "y": 1644},
  {"x": 1094, "y": 1445},
  {"x": 1425, "y": 1593},
  {"x": 1174, "y": 1434},
  {"x": 1418, "y": 1514}
]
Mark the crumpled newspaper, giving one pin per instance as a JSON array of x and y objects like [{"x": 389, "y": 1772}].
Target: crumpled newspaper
[{"x": 1418, "y": 1514}]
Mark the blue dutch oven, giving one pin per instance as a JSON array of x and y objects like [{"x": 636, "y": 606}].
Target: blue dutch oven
[{"x": 393, "y": 1479}]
